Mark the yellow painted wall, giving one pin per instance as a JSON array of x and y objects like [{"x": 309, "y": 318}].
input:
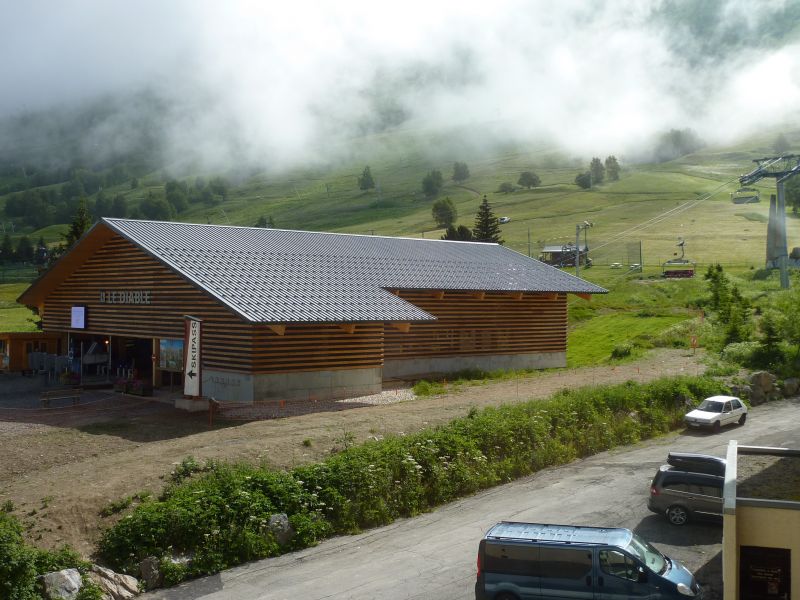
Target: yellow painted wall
[{"x": 767, "y": 527}]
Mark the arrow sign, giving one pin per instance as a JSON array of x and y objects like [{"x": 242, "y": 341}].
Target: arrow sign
[{"x": 192, "y": 364}]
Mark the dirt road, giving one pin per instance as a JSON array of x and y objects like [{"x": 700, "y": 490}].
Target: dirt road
[{"x": 61, "y": 471}]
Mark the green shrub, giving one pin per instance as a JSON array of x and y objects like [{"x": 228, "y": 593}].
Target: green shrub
[
  {"x": 428, "y": 388},
  {"x": 740, "y": 353},
  {"x": 622, "y": 350},
  {"x": 21, "y": 564},
  {"x": 220, "y": 517}
]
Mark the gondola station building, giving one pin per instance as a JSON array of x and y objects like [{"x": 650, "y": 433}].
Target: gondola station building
[{"x": 245, "y": 314}]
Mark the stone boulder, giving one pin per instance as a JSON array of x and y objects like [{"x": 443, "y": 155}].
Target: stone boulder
[
  {"x": 281, "y": 528},
  {"x": 757, "y": 396},
  {"x": 742, "y": 391},
  {"x": 763, "y": 380},
  {"x": 115, "y": 585},
  {"x": 61, "y": 585},
  {"x": 150, "y": 572},
  {"x": 791, "y": 386}
]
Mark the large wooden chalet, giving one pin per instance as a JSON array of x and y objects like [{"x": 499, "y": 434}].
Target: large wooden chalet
[{"x": 296, "y": 314}]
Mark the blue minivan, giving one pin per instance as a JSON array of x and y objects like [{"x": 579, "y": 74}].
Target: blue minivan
[{"x": 518, "y": 561}]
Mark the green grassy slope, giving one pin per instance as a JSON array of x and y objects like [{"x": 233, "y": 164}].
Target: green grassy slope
[
  {"x": 651, "y": 204},
  {"x": 13, "y": 316},
  {"x": 635, "y": 208}
]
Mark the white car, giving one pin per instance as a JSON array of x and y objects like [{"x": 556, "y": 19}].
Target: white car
[
  {"x": 716, "y": 411},
  {"x": 504, "y": 219}
]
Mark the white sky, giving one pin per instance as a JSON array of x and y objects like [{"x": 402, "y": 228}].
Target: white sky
[{"x": 282, "y": 75}]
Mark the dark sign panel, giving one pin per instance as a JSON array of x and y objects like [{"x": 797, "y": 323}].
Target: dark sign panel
[{"x": 764, "y": 573}]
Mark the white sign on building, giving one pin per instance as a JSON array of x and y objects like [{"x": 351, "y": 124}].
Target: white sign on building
[{"x": 191, "y": 371}]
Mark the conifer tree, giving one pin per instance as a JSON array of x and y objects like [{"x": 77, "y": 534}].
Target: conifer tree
[
  {"x": 80, "y": 224},
  {"x": 487, "y": 226},
  {"x": 366, "y": 182}
]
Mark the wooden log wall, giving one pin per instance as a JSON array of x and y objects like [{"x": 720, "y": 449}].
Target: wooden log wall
[
  {"x": 318, "y": 347},
  {"x": 120, "y": 265},
  {"x": 481, "y": 323}
]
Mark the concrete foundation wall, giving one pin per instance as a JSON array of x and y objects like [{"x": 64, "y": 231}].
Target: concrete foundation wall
[
  {"x": 488, "y": 362},
  {"x": 318, "y": 385},
  {"x": 227, "y": 386}
]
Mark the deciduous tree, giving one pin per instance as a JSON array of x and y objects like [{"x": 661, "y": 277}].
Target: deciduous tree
[
  {"x": 597, "y": 171},
  {"x": 432, "y": 183},
  {"x": 612, "y": 168},
  {"x": 444, "y": 212},
  {"x": 584, "y": 180},
  {"x": 529, "y": 179},
  {"x": 458, "y": 234},
  {"x": 460, "y": 172}
]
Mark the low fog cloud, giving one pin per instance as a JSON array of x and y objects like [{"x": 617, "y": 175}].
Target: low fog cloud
[{"x": 287, "y": 81}]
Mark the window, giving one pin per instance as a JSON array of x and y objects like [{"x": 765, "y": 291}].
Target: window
[
  {"x": 710, "y": 490},
  {"x": 676, "y": 486},
  {"x": 565, "y": 563},
  {"x": 619, "y": 565},
  {"x": 514, "y": 559},
  {"x": 727, "y": 408},
  {"x": 736, "y": 404}
]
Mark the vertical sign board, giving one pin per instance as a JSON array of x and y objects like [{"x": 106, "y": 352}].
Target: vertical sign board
[{"x": 192, "y": 370}]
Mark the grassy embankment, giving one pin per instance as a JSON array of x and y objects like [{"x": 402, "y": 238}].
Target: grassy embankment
[{"x": 13, "y": 316}]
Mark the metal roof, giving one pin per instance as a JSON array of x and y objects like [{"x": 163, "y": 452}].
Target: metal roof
[
  {"x": 274, "y": 275},
  {"x": 571, "y": 534}
]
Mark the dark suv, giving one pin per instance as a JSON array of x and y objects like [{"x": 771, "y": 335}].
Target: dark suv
[{"x": 689, "y": 487}]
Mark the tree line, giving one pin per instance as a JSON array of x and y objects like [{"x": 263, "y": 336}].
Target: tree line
[
  {"x": 41, "y": 207},
  {"x": 598, "y": 172}
]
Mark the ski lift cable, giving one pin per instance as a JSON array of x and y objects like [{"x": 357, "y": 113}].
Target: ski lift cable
[{"x": 665, "y": 215}]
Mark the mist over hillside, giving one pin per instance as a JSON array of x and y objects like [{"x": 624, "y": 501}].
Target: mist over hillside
[{"x": 194, "y": 86}]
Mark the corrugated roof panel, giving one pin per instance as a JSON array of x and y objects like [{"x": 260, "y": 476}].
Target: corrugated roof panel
[{"x": 274, "y": 275}]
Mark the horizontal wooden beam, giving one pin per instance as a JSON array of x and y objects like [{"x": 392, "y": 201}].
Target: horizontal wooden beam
[
  {"x": 547, "y": 296},
  {"x": 516, "y": 295},
  {"x": 401, "y": 327},
  {"x": 279, "y": 329}
]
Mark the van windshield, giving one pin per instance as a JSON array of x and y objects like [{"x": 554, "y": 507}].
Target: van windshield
[{"x": 649, "y": 556}]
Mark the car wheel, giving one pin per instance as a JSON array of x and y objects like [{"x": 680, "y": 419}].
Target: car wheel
[
  {"x": 742, "y": 419},
  {"x": 677, "y": 514},
  {"x": 716, "y": 426}
]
